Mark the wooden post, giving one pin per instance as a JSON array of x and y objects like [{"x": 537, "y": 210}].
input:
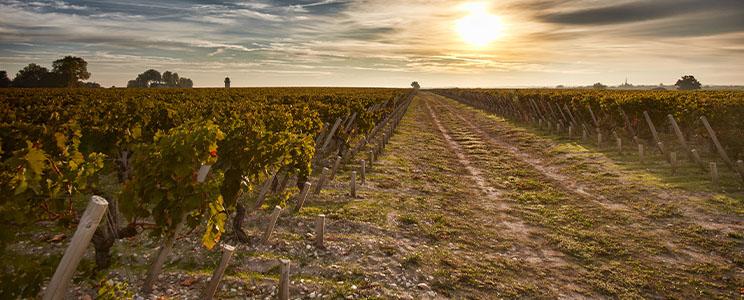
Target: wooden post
[
  {"x": 371, "y": 158},
  {"x": 303, "y": 196},
  {"x": 95, "y": 210},
  {"x": 284, "y": 279},
  {"x": 570, "y": 132},
  {"x": 214, "y": 283},
  {"x": 720, "y": 149},
  {"x": 673, "y": 161},
  {"x": 353, "y": 184},
  {"x": 283, "y": 183},
  {"x": 559, "y": 127},
  {"x": 681, "y": 138},
  {"x": 329, "y": 137},
  {"x": 619, "y": 145},
  {"x": 713, "y": 173},
  {"x": 363, "y": 168},
  {"x": 654, "y": 133},
  {"x": 336, "y": 164},
  {"x": 664, "y": 153},
  {"x": 599, "y": 139},
  {"x": 321, "y": 135},
  {"x": 591, "y": 112},
  {"x": 696, "y": 157},
  {"x": 584, "y": 135},
  {"x": 321, "y": 180},
  {"x": 320, "y": 231},
  {"x": 201, "y": 175},
  {"x": 272, "y": 223},
  {"x": 640, "y": 152},
  {"x": 264, "y": 191}
]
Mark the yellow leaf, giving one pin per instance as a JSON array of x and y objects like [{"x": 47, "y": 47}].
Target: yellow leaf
[{"x": 35, "y": 158}]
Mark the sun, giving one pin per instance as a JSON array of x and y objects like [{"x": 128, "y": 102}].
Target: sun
[{"x": 479, "y": 28}]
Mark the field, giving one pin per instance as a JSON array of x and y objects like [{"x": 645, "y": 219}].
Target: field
[{"x": 465, "y": 193}]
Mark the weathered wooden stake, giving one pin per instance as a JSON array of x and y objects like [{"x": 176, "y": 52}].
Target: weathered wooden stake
[
  {"x": 336, "y": 164},
  {"x": 683, "y": 142},
  {"x": 640, "y": 152},
  {"x": 720, "y": 149},
  {"x": 284, "y": 279},
  {"x": 283, "y": 183},
  {"x": 321, "y": 180},
  {"x": 673, "y": 161},
  {"x": 329, "y": 137},
  {"x": 599, "y": 139},
  {"x": 214, "y": 283},
  {"x": 320, "y": 231},
  {"x": 303, "y": 196},
  {"x": 272, "y": 223},
  {"x": 584, "y": 135},
  {"x": 95, "y": 210},
  {"x": 619, "y": 145},
  {"x": 663, "y": 151},
  {"x": 363, "y": 167},
  {"x": 353, "y": 184},
  {"x": 696, "y": 156},
  {"x": 264, "y": 191},
  {"x": 713, "y": 173},
  {"x": 570, "y": 132}
]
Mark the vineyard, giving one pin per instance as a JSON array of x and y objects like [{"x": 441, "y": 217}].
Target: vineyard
[
  {"x": 705, "y": 126},
  {"x": 152, "y": 150},
  {"x": 359, "y": 193}
]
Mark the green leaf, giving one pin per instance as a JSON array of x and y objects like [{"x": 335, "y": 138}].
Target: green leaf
[{"x": 215, "y": 224}]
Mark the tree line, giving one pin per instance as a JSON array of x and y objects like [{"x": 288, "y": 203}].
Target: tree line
[
  {"x": 70, "y": 71},
  {"x": 152, "y": 79}
]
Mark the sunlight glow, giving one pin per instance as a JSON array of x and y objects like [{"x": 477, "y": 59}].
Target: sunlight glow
[{"x": 479, "y": 28}]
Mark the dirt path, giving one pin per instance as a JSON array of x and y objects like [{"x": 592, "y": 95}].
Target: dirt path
[{"x": 605, "y": 227}]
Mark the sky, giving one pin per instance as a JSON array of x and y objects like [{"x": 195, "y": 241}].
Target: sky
[{"x": 384, "y": 43}]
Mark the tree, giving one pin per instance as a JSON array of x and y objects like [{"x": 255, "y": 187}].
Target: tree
[
  {"x": 134, "y": 83},
  {"x": 170, "y": 79},
  {"x": 70, "y": 70},
  {"x": 153, "y": 79},
  {"x": 415, "y": 85},
  {"x": 150, "y": 76},
  {"x": 599, "y": 86},
  {"x": 90, "y": 85},
  {"x": 688, "y": 82},
  {"x": 184, "y": 82},
  {"x": 4, "y": 80},
  {"x": 32, "y": 75}
]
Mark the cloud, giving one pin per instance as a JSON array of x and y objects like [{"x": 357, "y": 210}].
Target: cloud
[
  {"x": 346, "y": 39},
  {"x": 641, "y": 10}
]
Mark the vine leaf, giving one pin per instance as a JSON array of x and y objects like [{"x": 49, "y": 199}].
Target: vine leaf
[{"x": 215, "y": 224}]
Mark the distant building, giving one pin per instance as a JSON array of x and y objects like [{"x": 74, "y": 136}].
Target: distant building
[
  {"x": 227, "y": 82},
  {"x": 626, "y": 84}
]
